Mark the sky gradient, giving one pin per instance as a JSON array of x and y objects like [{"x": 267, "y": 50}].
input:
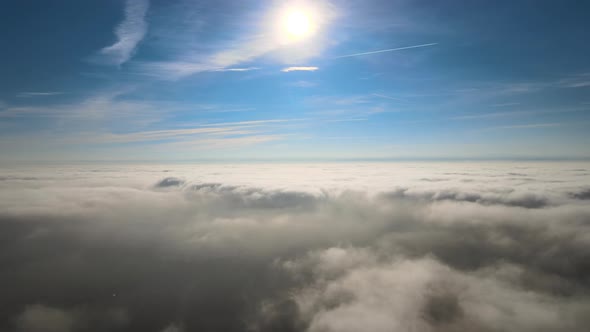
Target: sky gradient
[{"x": 199, "y": 80}]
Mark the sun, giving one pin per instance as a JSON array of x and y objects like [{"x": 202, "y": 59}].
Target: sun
[
  {"x": 298, "y": 23},
  {"x": 298, "y": 26}
]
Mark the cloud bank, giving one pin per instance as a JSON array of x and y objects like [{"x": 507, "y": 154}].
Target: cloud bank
[{"x": 296, "y": 247}]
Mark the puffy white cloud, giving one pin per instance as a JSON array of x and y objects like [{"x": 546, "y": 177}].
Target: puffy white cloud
[
  {"x": 423, "y": 295},
  {"x": 293, "y": 247}
]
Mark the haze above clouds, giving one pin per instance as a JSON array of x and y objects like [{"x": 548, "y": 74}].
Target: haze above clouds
[{"x": 296, "y": 247}]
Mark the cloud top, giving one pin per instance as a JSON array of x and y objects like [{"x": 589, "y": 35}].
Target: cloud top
[{"x": 339, "y": 247}]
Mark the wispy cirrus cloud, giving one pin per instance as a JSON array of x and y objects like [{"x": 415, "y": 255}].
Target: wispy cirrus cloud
[
  {"x": 351, "y": 100},
  {"x": 38, "y": 94},
  {"x": 218, "y": 62},
  {"x": 303, "y": 84},
  {"x": 572, "y": 81},
  {"x": 380, "y": 95},
  {"x": 349, "y": 108},
  {"x": 100, "y": 106},
  {"x": 155, "y": 135},
  {"x": 171, "y": 138},
  {"x": 246, "y": 43},
  {"x": 130, "y": 32},
  {"x": 226, "y": 135},
  {"x": 307, "y": 68},
  {"x": 227, "y": 141},
  {"x": 518, "y": 113},
  {"x": 505, "y": 104},
  {"x": 237, "y": 69},
  {"x": 575, "y": 81},
  {"x": 528, "y": 126}
]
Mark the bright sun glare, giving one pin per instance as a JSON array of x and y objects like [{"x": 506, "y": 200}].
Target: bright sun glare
[{"x": 298, "y": 24}]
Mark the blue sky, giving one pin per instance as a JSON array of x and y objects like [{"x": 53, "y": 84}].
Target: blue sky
[{"x": 203, "y": 80}]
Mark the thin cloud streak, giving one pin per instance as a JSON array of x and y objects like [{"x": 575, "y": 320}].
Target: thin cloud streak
[
  {"x": 347, "y": 120},
  {"x": 517, "y": 113},
  {"x": 303, "y": 84},
  {"x": 386, "y": 50},
  {"x": 236, "y": 69},
  {"x": 219, "y": 130},
  {"x": 505, "y": 104},
  {"x": 38, "y": 94},
  {"x": 528, "y": 126},
  {"x": 251, "y": 122},
  {"x": 387, "y": 97},
  {"x": 235, "y": 54},
  {"x": 227, "y": 142},
  {"x": 163, "y": 135},
  {"x": 129, "y": 33},
  {"x": 290, "y": 69}
]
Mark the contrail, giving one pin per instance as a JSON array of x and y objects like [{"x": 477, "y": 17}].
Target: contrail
[{"x": 387, "y": 50}]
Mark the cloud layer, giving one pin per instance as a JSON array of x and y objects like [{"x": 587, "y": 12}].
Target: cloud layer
[{"x": 296, "y": 247}]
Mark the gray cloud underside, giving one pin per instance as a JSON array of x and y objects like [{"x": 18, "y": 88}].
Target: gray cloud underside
[{"x": 375, "y": 247}]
